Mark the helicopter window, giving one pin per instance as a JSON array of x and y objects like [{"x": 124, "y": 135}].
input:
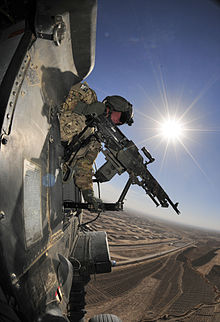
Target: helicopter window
[{"x": 32, "y": 203}]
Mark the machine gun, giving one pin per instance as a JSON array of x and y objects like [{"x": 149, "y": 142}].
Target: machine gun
[{"x": 122, "y": 155}]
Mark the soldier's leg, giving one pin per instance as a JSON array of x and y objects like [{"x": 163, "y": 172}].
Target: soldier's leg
[
  {"x": 84, "y": 173},
  {"x": 84, "y": 166}
]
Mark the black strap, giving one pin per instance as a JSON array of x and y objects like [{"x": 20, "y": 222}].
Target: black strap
[{"x": 76, "y": 143}]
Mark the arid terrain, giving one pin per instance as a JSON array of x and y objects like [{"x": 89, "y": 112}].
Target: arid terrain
[{"x": 163, "y": 271}]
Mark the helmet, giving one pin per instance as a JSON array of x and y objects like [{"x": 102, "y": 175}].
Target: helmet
[{"x": 120, "y": 104}]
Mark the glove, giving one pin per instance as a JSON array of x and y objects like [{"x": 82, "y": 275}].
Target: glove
[{"x": 89, "y": 197}]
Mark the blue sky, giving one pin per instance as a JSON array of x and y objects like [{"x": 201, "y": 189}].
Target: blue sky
[{"x": 164, "y": 57}]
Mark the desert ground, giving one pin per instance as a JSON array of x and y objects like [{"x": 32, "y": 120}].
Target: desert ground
[{"x": 163, "y": 271}]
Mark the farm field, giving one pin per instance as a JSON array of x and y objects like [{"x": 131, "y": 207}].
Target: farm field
[{"x": 163, "y": 271}]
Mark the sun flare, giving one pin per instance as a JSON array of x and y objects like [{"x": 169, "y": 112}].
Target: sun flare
[
  {"x": 174, "y": 122},
  {"x": 171, "y": 129}
]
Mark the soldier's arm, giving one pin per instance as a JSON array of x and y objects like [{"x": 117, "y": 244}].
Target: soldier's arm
[{"x": 87, "y": 109}]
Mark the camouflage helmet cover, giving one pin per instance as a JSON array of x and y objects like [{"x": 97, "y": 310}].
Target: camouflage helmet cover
[{"x": 120, "y": 104}]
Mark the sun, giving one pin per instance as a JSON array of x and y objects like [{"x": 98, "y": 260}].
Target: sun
[
  {"x": 171, "y": 129},
  {"x": 170, "y": 124}
]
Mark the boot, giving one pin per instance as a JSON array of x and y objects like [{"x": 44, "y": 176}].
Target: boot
[{"x": 89, "y": 197}]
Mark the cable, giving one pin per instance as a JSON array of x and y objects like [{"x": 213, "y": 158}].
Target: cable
[{"x": 82, "y": 226}]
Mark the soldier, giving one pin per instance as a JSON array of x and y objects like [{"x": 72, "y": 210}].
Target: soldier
[{"x": 79, "y": 105}]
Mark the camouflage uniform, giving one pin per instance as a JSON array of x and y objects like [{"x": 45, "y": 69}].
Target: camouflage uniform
[{"x": 79, "y": 102}]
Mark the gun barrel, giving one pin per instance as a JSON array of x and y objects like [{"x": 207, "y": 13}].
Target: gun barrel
[
  {"x": 154, "y": 190},
  {"x": 174, "y": 206}
]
